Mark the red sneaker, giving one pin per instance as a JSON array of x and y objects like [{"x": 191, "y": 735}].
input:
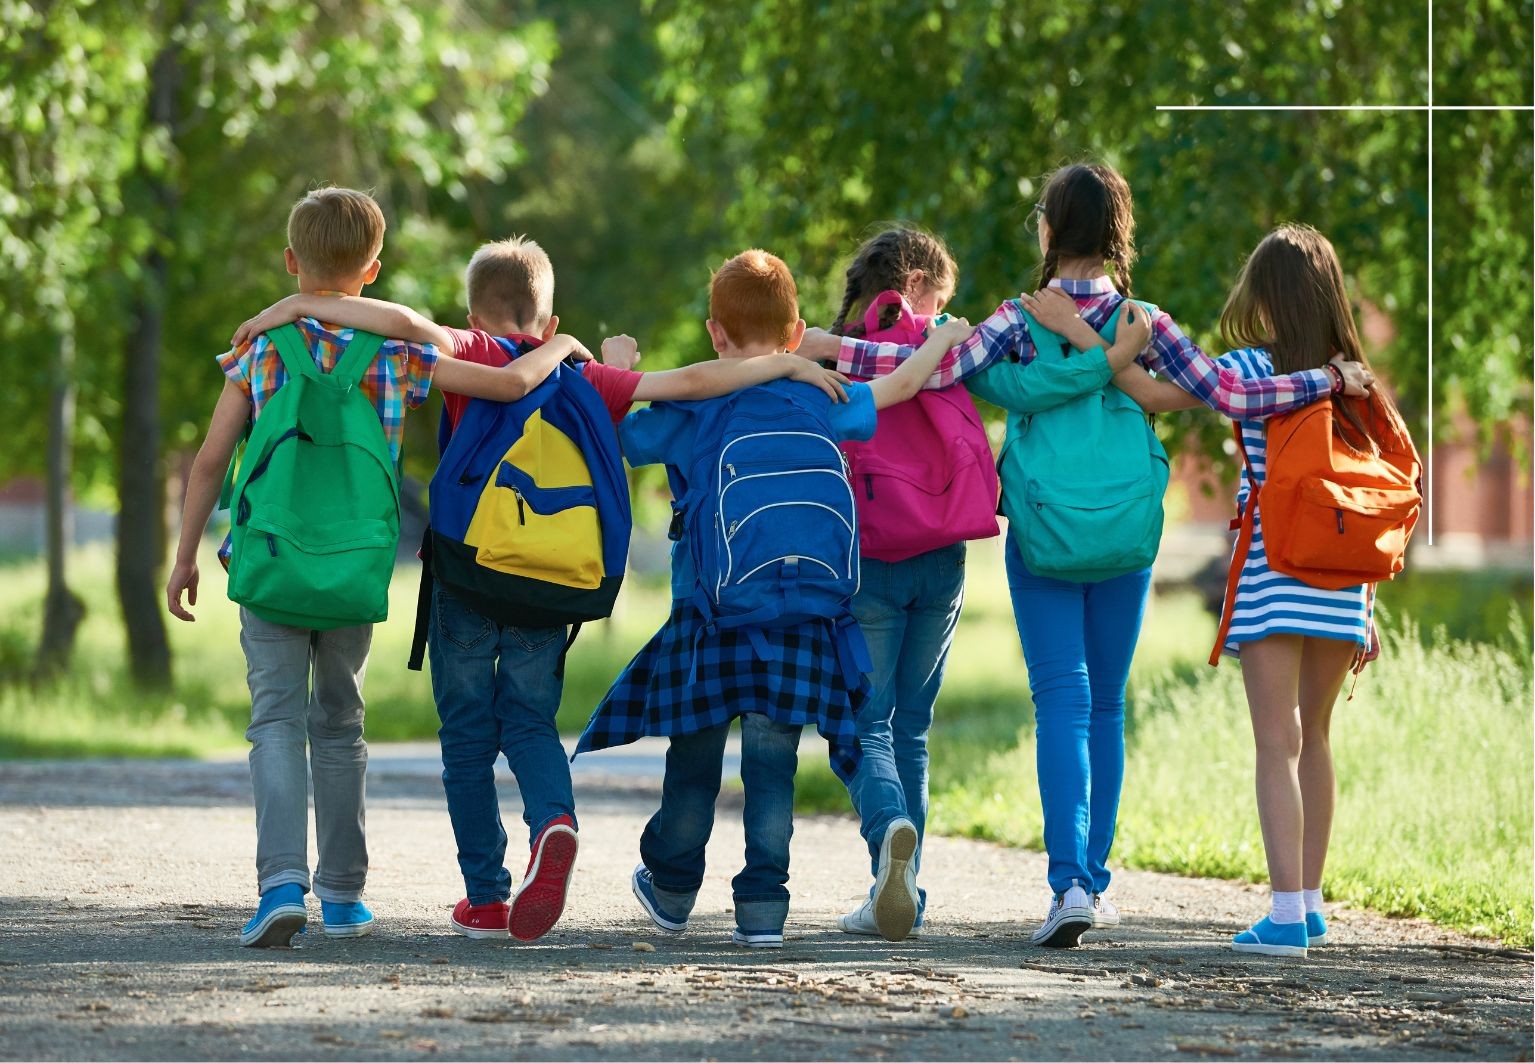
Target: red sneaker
[
  {"x": 538, "y": 904},
  {"x": 480, "y": 920}
]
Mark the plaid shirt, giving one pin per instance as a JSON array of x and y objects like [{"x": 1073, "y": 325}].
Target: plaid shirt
[
  {"x": 1171, "y": 354},
  {"x": 399, "y": 377}
]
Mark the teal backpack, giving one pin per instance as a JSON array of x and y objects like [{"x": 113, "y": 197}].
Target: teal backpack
[
  {"x": 315, "y": 496},
  {"x": 1082, "y": 479}
]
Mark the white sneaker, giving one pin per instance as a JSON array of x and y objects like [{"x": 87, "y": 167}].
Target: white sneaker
[
  {"x": 1070, "y": 916},
  {"x": 895, "y": 886},
  {"x": 861, "y": 921},
  {"x": 1104, "y": 912}
]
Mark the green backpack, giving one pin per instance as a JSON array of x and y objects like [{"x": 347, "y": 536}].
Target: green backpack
[
  {"x": 315, "y": 496},
  {"x": 1083, "y": 479}
]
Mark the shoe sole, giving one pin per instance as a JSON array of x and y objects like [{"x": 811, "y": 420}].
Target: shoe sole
[
  {"x": 1067, "y": 932},
  {"x": 655, "y": 917},
  {"x": 1100, "y": 923},
  {"x": 277, "y": 929},
  {"x": 869, "y": 932},
  {"x": 474, "y": 932},
  {"x": 1314, "y": 942},
  {"x": 541, "y": 900},
  {"x": 348, "y": 930},
  {"x": 1259, "y": 949},
  {"x": 757, "y": 941},
  {"x": 895, "y": 907}
]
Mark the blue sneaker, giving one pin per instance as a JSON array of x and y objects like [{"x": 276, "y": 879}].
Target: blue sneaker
[
  {"x": 279, "y": 916},
  {"x": 1268, "y": 938},
  {"x": 645, "y": 892},
  {"x": 346, "y": 919},
  {"x": 1316, "y": 929}
]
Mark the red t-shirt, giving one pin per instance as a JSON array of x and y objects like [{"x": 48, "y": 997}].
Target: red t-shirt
[{"x": 615, "y": 385}]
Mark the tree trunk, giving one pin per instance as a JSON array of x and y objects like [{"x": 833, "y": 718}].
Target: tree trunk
[
  {"x": 62, "y": 608},
  {"x": 141, "y": 480}
]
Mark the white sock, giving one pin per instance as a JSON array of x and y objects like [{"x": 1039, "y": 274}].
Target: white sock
[
  {"x": 1313, "y": 900},
  {"x": 1288, "y": 907}
]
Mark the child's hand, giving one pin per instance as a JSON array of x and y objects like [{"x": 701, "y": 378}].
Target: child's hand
[
  {"x": 621, "y": 351},
  {"x": 1134, "y": 329},
  {"x": 1052, "y": 308},
  {"x": 282, "y": 312},
  {"x": 183, "y": 578},
  {"x": 577, "y": 349},
  {"x": 953, "y": 332},
  {"x": 828, "y": 380},
  {"x": 1357, "y": 380}
]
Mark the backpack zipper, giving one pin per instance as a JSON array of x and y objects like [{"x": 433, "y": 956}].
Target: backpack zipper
[
  {"x": 1340, "y": 522},
  {"x": 271, "y": 543},
  {"x": 868, "y": 487},
  {"x": 522, "y": 516}
]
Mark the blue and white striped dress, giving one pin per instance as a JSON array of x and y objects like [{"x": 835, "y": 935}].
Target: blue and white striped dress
[{"x": 1268, "y": 603}]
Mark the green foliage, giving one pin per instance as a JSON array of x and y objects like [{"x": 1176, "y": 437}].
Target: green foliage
[{"x": 949, "y": 115}]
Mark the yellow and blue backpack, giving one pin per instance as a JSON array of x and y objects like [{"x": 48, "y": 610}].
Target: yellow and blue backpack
[{"x": 529, "y": 515}]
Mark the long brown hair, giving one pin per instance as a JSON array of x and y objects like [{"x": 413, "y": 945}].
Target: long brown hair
[
  {"x": 883, "y": 263},
  {"x": 1090, "y": 213},
  {"x": 1290, "y": 299}
]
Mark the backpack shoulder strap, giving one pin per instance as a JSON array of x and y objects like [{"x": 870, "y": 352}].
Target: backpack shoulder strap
[
  {"x": 1244, "y": 524},
  {"x": 1045, "y": 342},
  {"x": 356, "y": 358},
  {"x": 293, "y": 350}
]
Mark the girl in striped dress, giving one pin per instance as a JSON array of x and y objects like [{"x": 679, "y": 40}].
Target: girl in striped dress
[{"x": 1288, "y": 311}]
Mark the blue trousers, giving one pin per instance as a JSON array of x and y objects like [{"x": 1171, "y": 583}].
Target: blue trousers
[
  {"x": 673, "y": 843},
  {"x": 1078, "y": 640},
  {"x": 908, "y": 611},
  {"x": 496, "y": 694}
]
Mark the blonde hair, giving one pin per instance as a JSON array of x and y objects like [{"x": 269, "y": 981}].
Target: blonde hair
[
  {"x": 335, "y": 232},
  {"x": 511, "y": 282},
  {"x": 753, "y": 297}
]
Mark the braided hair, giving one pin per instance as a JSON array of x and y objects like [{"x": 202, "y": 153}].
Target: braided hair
[
  {"x": 1090, "y": 214},
  {"x": 884, "y": 262}
]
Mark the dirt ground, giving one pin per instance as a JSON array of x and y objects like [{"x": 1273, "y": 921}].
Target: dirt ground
[{"x": 122, "y": 887}]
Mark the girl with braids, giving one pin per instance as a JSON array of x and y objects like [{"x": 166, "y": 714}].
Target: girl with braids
[
  {"x": 1078, "y": 638},
  {"x": 1290, "y": 311}
]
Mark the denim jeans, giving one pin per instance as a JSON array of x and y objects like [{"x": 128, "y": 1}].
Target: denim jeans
[
  {"x": 673, "y": 843},
  {"x": 908, "y": 611},
  {"x": 1078, "y": 640},
  {"x": 496, "y": 694},
  {"x": 306, "y": 688}
]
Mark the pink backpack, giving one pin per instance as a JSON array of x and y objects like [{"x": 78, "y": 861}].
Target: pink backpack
[{"x": 927, "y": 478}]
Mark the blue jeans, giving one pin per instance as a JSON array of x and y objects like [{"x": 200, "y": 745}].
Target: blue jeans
[
  {"x": 496, "y": 694},
  {"x": 1078, "y": 640},
  {"x": 673, "y": 843},
  {"x": 908, "y": 611}
]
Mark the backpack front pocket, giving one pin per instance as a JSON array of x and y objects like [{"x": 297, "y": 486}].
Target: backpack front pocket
[
  {"x": 338, "y": 571},
  {"x": 1356, "y": 532},
  {"x": 545, "y": 533},
  {"x": 1069, "y": 528}
]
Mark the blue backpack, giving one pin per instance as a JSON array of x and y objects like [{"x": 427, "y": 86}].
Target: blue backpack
[
  {"x": 768, "y": 512},
  {"x": 529, "y": 520}
]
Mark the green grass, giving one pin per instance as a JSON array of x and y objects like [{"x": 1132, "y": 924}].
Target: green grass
[{"x": 1434, "y": 752}]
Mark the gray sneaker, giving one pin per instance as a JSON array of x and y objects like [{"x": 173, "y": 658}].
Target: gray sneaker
[
  {"x": 1070, "y": 916},
  {"x": 1104, "y": 912}
]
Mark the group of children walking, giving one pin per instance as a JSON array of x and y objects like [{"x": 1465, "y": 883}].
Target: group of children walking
[{"x": 819, "y": 526}]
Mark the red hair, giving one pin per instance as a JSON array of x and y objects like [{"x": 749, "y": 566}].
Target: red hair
[{"x": 754, "y": 299}]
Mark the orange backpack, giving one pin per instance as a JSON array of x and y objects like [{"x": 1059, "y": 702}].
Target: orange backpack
[{"x": 1333, "y": 516}]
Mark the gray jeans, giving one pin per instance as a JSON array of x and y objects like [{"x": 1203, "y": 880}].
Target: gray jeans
[{"x": 307, "y": 684}]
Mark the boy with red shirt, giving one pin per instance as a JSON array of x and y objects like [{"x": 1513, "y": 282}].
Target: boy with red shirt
[{"x": 495, "y": 685}]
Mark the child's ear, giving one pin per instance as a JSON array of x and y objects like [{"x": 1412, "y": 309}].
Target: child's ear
[
  {"x": 916, "y": 280},
  {"x": 717, "y": 336},
  {"x": 797, "y": 336},
  {"x": 290, "y": 260},
  {"x": 476, "y": 323},
  {"x": 371, "y": 273},
  {"x": 551, "y": 328}
]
